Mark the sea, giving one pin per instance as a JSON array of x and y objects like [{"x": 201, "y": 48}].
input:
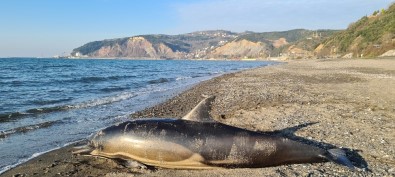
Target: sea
[{"x": 46, "y": 104}]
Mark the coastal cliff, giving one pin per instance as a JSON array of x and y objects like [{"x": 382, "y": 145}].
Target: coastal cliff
[
  {"x": 204, "y": 45},
  {"x": 137, "y": 47},
  {"x": 242, "y": 49}
]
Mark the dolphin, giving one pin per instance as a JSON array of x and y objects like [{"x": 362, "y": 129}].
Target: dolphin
[{"x": 197, "y": 141}]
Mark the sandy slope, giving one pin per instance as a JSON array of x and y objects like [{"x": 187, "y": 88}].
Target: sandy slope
[{"x": 328, "y": 103}]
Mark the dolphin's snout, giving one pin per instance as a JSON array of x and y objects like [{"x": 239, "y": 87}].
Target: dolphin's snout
[{"x": 83, "y": 150}]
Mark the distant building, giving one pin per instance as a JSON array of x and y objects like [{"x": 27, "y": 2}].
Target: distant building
[{"x": 78, "y": 54}]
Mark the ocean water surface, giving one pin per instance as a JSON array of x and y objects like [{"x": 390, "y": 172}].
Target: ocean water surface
[{"x": 48, "y": 103}]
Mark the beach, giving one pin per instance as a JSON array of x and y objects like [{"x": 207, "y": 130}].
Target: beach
[{"x": 326, "y": 103}]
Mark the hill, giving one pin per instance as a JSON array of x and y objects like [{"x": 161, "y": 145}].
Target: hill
[
  {"x": 370, "y": 36},
  {"x": 205, "y": 44}
]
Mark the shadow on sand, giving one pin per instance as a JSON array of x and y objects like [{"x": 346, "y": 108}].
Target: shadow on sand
[{"x": 356, "y": 159}]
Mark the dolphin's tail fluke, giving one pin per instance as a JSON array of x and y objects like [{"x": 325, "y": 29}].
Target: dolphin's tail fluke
[{"x": 339, "y": 156}]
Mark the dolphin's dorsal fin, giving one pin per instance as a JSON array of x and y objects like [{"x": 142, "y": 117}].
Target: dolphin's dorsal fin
[{"x": 201, "y": 112}]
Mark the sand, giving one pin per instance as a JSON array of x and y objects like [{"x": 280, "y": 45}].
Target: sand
[{"x": 326, "y": 103}]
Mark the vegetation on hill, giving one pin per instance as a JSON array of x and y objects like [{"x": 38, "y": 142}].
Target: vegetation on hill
[
  {"x": 173, "y": 42},
  {"x": 96, "y": 45},
  {"x": 291, "y": 36},
  {"x": 368, "y": 37}
]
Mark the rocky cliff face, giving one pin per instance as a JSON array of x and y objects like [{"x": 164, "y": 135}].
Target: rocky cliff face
[
  {"x": 135, "y": 47},
  {"x": 242, "y": 49}
]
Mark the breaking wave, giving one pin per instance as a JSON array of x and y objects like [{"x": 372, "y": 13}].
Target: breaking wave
[
  {"x": 7, "y": 117},
  {"x": 27, "y": 128},
  {"x": 159, "y": 81}
]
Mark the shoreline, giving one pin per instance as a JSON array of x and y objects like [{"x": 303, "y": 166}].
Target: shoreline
[{"x": 350, "y": 100}]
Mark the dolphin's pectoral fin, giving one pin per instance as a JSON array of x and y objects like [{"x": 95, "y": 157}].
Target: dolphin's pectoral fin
[
  {"x": 339, "y": 156},
  {"x": 133, "y": 164},
  {"x": 201, "y": 112}
]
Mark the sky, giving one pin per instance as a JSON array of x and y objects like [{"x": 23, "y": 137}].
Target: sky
[{"x": 44, "y": 28}]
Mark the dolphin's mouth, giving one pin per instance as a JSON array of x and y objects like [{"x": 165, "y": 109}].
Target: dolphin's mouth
[{"x": 83, "y": 150}]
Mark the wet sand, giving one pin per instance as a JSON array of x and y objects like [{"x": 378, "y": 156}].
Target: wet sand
[{"x": 326, "y": 103}]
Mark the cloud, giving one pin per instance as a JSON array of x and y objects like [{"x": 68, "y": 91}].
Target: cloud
[{"x": 272, "y": 15}]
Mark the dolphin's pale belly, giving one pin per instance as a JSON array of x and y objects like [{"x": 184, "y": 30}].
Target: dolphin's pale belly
[{"x": 161, "y": 154}]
